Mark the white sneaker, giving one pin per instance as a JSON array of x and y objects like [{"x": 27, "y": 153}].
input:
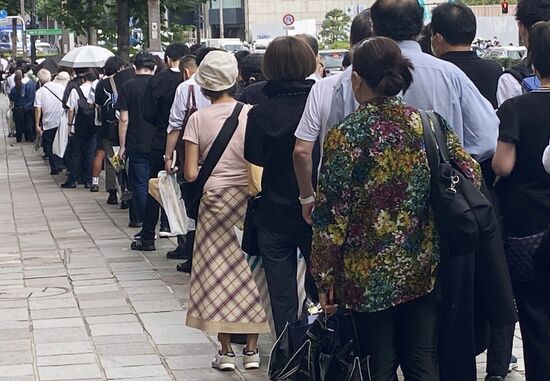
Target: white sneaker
[
  {"x": 251, "y": 360},
  {"x": 166, "y": 233},
  {"x": 224, "y": 362}
]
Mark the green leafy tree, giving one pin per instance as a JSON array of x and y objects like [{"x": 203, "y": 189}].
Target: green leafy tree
[{"x": 335, "y": 27}]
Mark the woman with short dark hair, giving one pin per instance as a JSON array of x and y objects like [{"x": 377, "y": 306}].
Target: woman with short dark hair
[
  {"x": 375, "y": 243},
  {"x": 269, "y": 144},
  {"x": 524, "y": 192}
]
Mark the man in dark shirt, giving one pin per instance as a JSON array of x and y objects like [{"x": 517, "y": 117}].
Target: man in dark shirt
[
  {"x": 136, "y": 133},
  {"x": 156, "y": 110},
  {"x": 453, "y": 30}
]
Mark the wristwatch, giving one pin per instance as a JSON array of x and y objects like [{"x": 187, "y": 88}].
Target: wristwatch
[{"x": 307, "y": 200}]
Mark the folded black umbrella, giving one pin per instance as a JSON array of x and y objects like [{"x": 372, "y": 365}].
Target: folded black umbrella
[{"x": 326, "y": 350}]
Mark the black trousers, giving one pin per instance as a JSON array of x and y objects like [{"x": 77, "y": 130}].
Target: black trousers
[
  {"x": 406, "y": 336},
  {"x": 48, "y": 137},
  {"x": 534, "y": 319},
  {"x": 25, "y": 127},
  {"x": 152, "y": 207},
  {"x": 83, "y": 147},
  {"x": 499, "y": 352},
  {"x": 279, "y": 255}
]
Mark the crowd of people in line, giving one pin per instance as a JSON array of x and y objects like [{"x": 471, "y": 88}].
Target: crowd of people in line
[{"x": 346, "y": 180}]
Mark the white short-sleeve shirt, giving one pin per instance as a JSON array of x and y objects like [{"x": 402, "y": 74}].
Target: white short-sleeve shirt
[{"x": 48, "y": 99}]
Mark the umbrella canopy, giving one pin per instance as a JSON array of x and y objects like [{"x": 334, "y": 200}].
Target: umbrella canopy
[
  {"x": 50, "y": 63},
  {"x": 86, "y": 56}
]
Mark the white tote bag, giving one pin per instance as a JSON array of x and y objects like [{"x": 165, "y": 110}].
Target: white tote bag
[
  {"x": 61, "y": 137},
  {"x": 173, "y": 204}
]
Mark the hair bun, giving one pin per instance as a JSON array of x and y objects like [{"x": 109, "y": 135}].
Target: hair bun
[{"x": 391, "y": 84}]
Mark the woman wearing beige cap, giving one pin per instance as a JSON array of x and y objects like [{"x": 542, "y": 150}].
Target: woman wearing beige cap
[{"x": 223, "y": 295}]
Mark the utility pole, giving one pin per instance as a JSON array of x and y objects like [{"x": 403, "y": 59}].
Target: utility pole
[
  {"x": 222, "y": 26},
  {"x": 154, "y": 25},
  {"x": 33, "y": 26}
]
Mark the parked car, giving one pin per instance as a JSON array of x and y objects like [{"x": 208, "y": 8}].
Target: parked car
[
  {"x": 44, "y": 48},
  {"x": 333, "y": 60},
  {"x": 5, "y": 47},
  {"x": 232, "y": 45},
  {"x": 509, "y": 52}
]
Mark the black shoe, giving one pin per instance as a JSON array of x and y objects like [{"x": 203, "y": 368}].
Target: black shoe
[
  {"x": 113, "y": 199},
  {"x": 68, "y": 185},
  {"x": 135, "y": 225},
  {"x": 94, "y": 188},
  {"x": 142, "y": 245},
  {"x": 54, "y": 173},
  {"x": 179, "y": 253},
  {"x": 89, "y": 185},
  {"x": 81, "y": 182},
  {"x": 494, "y": 378},
  {"x": 185, "y": 267},
  {"x": 123, "y": 205}
]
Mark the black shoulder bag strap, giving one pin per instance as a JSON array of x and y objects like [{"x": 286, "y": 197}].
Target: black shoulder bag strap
[
  {"x": 50, "y": 90},
  {"x": 218, "y": 147}
]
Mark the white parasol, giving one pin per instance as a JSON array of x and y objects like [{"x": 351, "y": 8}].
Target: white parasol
[{"x": 86, "y": 56}]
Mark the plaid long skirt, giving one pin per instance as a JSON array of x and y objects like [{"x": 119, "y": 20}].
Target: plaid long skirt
[{"x": 223, "y": 295}]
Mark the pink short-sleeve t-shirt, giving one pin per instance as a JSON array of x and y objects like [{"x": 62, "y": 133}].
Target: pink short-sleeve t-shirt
[{"x": 203, "y": 127}]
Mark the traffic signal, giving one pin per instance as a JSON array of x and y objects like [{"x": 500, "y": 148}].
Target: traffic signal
[{"x": 504, "y": 7}]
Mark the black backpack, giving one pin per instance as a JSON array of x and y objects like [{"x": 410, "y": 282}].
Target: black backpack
[
  {"x": 519, "y": 72},
  {"x": 85, "y": 108}
]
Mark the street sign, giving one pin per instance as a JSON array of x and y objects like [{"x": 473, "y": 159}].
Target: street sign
[
  {"x": 3, "y": 14},
  {"x": 44, "y": 32},
  {"x": 288, "y": 19},
  {"x": 289, "y": 27}
]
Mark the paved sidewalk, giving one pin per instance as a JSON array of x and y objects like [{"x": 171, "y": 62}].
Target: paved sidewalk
[{"x": 76, "y": 303}]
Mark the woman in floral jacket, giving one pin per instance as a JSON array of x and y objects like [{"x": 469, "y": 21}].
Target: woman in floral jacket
[{"x": 375, "y": 241}]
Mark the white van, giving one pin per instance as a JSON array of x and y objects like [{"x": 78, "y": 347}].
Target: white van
[{"x": 231, "y": 45}]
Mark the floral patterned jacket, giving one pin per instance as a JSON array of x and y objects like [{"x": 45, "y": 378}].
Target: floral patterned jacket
[{"x": 375, "y": 238}]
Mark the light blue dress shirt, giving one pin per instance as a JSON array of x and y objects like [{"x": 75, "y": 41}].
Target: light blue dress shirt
[{"x": 441, "y": 86}]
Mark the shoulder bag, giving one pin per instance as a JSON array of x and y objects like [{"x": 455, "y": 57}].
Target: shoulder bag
[
  {"x": 192, "y": 191},
  {"x": 458, "y": 205}
]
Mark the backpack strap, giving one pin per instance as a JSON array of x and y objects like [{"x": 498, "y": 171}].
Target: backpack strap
[{"x": 519, "y": 72}]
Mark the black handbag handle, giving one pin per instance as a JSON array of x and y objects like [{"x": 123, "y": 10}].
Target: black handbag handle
[{"x": 218, "y": 147}]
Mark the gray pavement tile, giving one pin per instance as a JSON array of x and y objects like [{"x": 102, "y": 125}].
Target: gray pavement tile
[
  {"x": 14, "y": 314},
  {"x": 157, "y": 305},
  {"x": 55, "y": 313},
  {"x": 60, "y": 335},
  {"x": 119, "y": 339},
  {"x": 58, "y": 323},
  {"x": 106, "y": 311},
  {"x": 173, "y": 350},
  {"x": 190, "y": 361},
  {"x": 15, "y": 358},
  {"x": 176, "y": 334},
  {"x": 71, "y": 359},
  {"x": 103, "y": 303},
  {"x": 21, "y": 345},
  {"x": 122, "y": 361},
  {"x": 111, "y": 329},
  {"x": 205, "y": 375},
  {"x": 16, "y": 370},
  {"x": 68, "y": 372},
  {"x": 111, "y": 319},
  {"x": 14, "y": 333},
  {"x": 50, "y": 303},
  {"x": 17, "y": 378},
  {"x": 124, "y": 349},
  {"x": 166, "y": 295},
  {"x": 136, "y": 371}
]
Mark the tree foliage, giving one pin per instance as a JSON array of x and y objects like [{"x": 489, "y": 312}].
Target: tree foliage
[{"x": 335, "y": 27}]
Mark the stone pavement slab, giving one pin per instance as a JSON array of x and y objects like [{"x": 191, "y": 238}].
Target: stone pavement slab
[{"x": 77, "y": 304}]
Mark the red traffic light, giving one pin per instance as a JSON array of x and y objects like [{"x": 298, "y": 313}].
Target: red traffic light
[{"x": 504, "y": 7}]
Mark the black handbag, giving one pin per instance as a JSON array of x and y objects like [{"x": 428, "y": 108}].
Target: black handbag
[
  {"x": 192, "y": 191},
  {"x": 250, "y": 231},
  {"x": 459, "y": 207}
]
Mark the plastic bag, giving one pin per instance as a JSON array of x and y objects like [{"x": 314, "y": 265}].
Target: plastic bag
[
  {"x": 61, "y": 137},
  {"x": 173, "y": 204}
]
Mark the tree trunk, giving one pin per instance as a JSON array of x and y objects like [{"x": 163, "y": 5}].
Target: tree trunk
[
  {"x": 123, "y": 30},
  {"x": 14, "y": 38},
  {"x": 92, "y": 31}
]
